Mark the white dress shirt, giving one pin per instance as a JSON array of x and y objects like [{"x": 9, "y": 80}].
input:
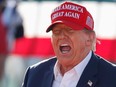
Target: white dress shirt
[{"x": 71, "y": 77}]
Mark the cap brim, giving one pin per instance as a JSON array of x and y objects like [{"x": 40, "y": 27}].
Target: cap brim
[{"x": 69, "y": 24}]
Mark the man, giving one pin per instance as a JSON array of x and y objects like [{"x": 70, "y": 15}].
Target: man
[{"x": 75, "y": 64}]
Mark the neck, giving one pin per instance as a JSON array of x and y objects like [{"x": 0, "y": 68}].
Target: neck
[{"x": 64, "y": 67}]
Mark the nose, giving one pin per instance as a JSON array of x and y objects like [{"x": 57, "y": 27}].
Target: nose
[{"x": 63, "y": 35}]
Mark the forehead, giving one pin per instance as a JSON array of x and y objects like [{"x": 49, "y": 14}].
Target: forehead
[{"x": 60, "y": 26}]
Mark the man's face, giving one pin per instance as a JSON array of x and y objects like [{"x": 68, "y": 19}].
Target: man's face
[{"x": 69, "y": 45}]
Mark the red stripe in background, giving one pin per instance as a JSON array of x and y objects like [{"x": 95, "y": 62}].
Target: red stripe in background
[
  {"x": 107, "y": 49},
  {"x": 43, "y": 47},
  {"x": 33, "y": 46}
]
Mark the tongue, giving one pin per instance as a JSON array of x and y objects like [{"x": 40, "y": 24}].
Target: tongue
[{"x": 65, "y": 49}]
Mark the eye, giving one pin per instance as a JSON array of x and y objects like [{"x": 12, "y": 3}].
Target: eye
[
  {"x": 56, "y": 32},
  {"x": 70, "y": 30}
]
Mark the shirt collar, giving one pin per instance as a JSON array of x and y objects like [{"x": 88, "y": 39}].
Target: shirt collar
[
  {"x": 57, "y": 70},
  {"x": 78, "y": 68},
  {"x": 81, "y": 66}
]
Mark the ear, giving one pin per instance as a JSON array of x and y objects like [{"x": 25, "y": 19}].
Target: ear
[{"x": 90, "y": 38}]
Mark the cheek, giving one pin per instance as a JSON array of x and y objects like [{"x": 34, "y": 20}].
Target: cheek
[
  {"x": 54, "y": 43},
  {"x": 79, "y": 43}
]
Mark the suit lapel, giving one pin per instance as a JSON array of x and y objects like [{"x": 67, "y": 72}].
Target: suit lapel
[
  {"x": 49, "y": 77},
  {"x": 89, "y": 75}
]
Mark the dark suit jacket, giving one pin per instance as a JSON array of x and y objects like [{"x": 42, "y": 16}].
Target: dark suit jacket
[{"x": 98, "y": 73}]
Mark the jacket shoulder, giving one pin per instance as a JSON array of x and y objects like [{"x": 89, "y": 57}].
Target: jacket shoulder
[
  {"x": 106, "y": 64},
  {"x": 106, "y": 73},
  {"x": 106, "y": 68},
  {"x": 44, "y": 63},
  {"x": 35, "y": 73}
]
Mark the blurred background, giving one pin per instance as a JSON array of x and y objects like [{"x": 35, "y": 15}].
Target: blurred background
[{"x": 23, "y": 40}]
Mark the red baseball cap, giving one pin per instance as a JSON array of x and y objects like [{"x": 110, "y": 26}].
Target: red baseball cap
[{"x": 73, "y": 15}]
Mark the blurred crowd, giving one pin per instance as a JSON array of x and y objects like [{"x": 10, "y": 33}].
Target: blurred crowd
[{"x": 11, "y": 28}]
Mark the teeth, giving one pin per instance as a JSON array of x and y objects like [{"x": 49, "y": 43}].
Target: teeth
[
  {"x": 64, "y": 44},
  {"x": 65, "y": 51}
]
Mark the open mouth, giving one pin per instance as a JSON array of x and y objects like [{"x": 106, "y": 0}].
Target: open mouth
[{"x": 65, "y": 48}]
